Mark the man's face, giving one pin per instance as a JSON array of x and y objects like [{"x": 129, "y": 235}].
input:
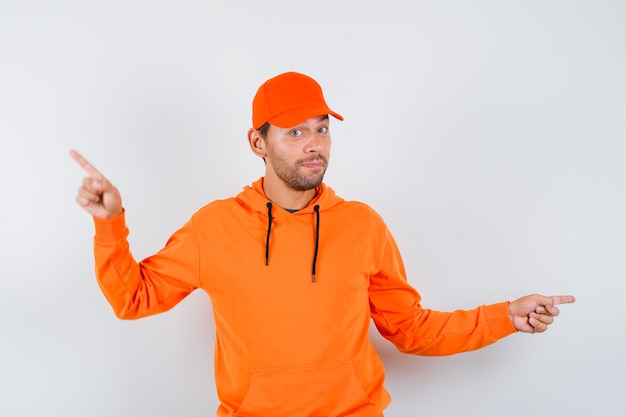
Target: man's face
[{"x": 299, "y": 155}]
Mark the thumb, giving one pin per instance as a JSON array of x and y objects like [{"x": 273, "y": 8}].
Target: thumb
[
  {"x": 558, "y": 299},
  {"x": 549, "y": 305},
  {"x": 551, "y": 308},
  {"x": 101, "y": 184}
]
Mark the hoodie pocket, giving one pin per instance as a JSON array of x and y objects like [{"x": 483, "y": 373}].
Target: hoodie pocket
[{"x": 319, "y": 391}]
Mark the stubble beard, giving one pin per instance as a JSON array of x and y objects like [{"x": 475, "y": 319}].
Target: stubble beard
[{"x": 291, "y": 175}]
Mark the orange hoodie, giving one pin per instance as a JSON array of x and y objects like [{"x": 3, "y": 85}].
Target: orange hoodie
[{"x": 292, "y": 294}]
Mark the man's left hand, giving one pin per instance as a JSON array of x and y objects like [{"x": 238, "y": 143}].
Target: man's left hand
[{"x": 534, "y": 313}]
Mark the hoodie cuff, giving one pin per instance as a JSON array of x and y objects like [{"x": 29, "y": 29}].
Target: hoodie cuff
[
  {"x": 110, "y": 230},
  {"x": 498, "y": 320}
]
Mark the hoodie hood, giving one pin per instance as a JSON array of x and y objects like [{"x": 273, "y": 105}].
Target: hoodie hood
[
  {"x": 325, "y": 199},
  {"x": 254, "y": 197}
]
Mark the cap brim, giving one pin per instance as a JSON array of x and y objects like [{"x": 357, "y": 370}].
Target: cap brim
[{"x": 296, "y": 116}]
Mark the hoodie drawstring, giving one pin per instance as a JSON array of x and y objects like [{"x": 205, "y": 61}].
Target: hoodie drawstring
[
  {"x": 269, "y": 230},
  {"x": 316, "y": 208},
  {"x": 317, "y": 241}
]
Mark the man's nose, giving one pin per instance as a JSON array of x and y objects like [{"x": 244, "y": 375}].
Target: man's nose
[{"x": 314, "y": 142}]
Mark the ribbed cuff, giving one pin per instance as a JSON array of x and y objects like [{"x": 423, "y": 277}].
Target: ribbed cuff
[
  {"x": 498, "y": 320},
  {"x": 110, "y": 230}
]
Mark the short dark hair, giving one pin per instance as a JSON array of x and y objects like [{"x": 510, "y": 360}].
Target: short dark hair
[{"x": 263, "y": 130}]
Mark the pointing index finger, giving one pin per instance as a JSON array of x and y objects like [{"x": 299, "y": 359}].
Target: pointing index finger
[
  {"x": 563, "y": 299},
  {"x": 90, "y": 169}
]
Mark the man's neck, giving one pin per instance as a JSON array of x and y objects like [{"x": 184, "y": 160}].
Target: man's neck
[{"x": 278, "y": 193}]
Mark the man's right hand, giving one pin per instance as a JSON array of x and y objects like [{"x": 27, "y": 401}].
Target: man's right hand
[{"x": 96, "y": 194}]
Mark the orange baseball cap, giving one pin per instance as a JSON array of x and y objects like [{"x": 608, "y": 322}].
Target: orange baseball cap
[{"x": 289, "y": 99}]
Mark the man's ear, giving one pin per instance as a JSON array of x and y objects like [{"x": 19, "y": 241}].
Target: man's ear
[{"x": 257, "y": 143}]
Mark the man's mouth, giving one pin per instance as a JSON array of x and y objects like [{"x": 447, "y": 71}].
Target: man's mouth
[{"x": 318, "y": 162}]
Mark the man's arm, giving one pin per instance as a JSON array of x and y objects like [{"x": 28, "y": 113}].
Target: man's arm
[
  {"x": 134, "y": 289},
  {"x": 399, "y": 316}
]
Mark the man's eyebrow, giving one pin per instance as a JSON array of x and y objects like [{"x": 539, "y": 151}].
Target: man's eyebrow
[{"x": 324, "y": 119}]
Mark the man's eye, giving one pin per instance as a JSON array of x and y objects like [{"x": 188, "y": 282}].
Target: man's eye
[
  {"x": 323, "y": 130},
  {"x": 295, "y": 133}
]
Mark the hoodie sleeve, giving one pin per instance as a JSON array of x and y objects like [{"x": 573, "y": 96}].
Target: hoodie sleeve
[
  {"x": 399, "y": 316},
  {"x": 154, "y": 285}
]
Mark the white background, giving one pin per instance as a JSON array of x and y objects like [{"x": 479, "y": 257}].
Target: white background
[{"x": 491, "y": 136}]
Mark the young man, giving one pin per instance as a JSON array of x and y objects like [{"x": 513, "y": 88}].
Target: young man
[{"x": 294, "y": 274}]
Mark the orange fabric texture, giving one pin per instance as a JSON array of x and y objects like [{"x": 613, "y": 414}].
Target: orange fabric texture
[{"x": 287, "y": 346}]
